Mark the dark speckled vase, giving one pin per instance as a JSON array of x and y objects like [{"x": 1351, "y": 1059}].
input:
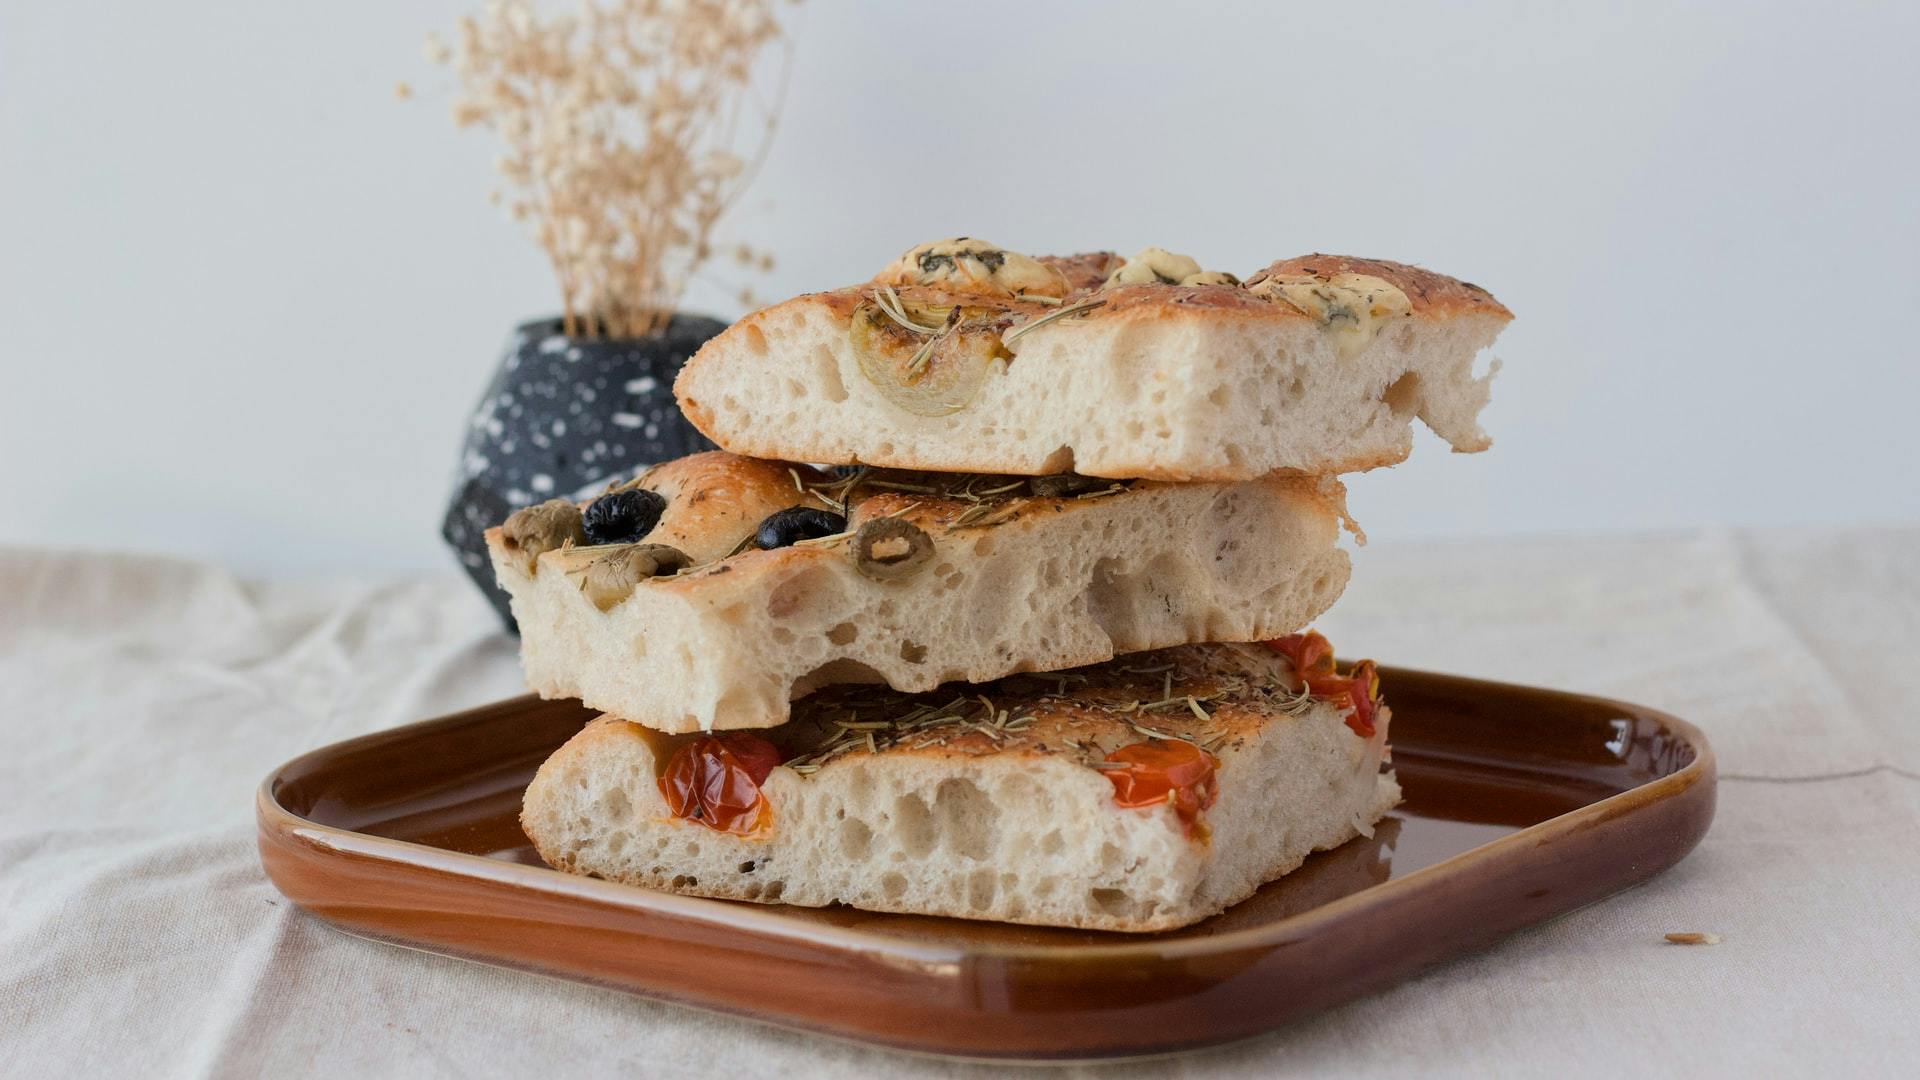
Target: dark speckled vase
[{"x": 562, "y": 415}]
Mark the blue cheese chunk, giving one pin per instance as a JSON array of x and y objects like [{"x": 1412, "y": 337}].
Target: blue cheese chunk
[
  {"x": 1151, "y": 265},
  {"x": 971, "y": 265},
  {"x": 1352, "y": 308}
]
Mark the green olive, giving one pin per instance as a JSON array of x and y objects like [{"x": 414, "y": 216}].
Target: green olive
[
  {"x": 889, "y": 549},
  {"x": 612, "y": 577},
  {"x": 535, "y": 530}
]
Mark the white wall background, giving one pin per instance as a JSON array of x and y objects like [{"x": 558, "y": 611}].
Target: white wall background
[{"x": 247, "y": 299}]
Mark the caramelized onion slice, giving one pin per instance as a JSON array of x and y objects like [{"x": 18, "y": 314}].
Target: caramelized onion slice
[{"x": 935, "y": 374}]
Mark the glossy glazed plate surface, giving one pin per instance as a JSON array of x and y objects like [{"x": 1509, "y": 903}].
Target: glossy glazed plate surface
[{"x": 1521, "y": 804}]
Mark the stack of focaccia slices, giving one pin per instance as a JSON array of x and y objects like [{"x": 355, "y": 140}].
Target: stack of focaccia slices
[{"x": 1023, "y": 639}]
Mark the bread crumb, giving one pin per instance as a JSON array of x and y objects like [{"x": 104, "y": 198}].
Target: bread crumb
[{"x": 1693, "y": 939}]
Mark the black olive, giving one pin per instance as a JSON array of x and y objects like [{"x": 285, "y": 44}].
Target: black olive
[
  {"x": 623, "y": 516},
  {"x": 783, "y": 528}
]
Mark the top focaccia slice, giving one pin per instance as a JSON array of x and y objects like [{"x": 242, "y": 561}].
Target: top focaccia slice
[{"x": 965, "y": 357}]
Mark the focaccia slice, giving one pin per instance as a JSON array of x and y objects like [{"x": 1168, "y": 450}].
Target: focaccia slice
[
  {"x": 934, "y": 578},
  {"x": 1145, "y": 793},
  {"x": 964, "y": 356}
]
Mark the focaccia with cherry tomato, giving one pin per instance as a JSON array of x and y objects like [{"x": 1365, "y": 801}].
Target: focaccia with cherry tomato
[{"x": 1144, "y": 793}]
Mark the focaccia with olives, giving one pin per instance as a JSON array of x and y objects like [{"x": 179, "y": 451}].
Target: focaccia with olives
[
  {"x": 709, "y": 592},
  {"x": 1145, "y": 793},
  {"x": 964, "y": 356}
]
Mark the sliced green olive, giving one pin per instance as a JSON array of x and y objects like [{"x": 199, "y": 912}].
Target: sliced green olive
[
  {"x": 889, "y": 549},
  {"x": 934, "y": 369}
]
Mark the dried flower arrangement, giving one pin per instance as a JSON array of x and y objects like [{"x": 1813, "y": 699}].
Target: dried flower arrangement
[{"x": 623, "y": 126}]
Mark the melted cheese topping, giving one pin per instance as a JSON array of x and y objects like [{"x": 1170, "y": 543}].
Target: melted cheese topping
[
  {"x": 1351, "y": 307},
  {"x": 1151, "y": 265},
  {"x": 974, "y": 266}
]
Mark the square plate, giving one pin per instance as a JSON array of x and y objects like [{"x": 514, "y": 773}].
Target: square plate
[{"x": 1521, "y": 804}]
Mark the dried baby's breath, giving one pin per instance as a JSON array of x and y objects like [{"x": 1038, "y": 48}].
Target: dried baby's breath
[{"x": 629, "y": 127}]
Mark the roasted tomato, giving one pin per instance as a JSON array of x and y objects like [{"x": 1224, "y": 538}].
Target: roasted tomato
[
  {"x": 1364, "y": 694},
  {"x": 1312, "y": 657},
  {"x": 1164, "y": 770},
  {"x": 1311, "y": 653},
  {"x": 715, "y": 780}
]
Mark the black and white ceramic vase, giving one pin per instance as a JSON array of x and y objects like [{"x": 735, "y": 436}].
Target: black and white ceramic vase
[{"x": 562, "y": 415}]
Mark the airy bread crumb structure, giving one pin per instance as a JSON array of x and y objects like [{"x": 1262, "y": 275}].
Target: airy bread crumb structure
[
  {"x": 985, "y": 578},
  {"x": 995, "y": 801},
  {"x": 1315, "y": 365}
]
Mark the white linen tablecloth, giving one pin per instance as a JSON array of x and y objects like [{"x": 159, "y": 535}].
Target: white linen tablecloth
[{"x": 141, "y": 700}]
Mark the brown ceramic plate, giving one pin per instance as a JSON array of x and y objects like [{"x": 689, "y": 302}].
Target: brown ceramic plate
[{"x": 1520, "y": 804}]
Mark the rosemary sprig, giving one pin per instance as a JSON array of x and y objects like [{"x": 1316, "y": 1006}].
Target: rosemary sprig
[
  {"x": 1013, "y": 335},
  {"x": 889, "y": 303},
  {"x": 917, "y": 363},
  {"x": 823, "y": 541}
]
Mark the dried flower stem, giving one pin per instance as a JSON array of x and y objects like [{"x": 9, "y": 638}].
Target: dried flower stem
[{"x": 621, "y": 124}]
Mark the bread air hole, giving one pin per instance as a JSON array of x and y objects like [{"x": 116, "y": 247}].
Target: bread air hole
[
  {"x": 753, "y": 339},
  {"x": 913, "y": 652},
  {"x": 614, "y": 805},
  {"x": 981, "y": 887},
  {"x": 913, "y": 830},
  {"x": 1403, "y": 396},
  {"x": 856, "y": 839},
  {"x": 893, "y": 885},
  {"x": 966, "y": 819},
  {"x": 1117, "y": 903},
  {"x": 843, "y": 670},
  {"x": 827, "y": 369},
  {"x": 843, "y": 633},
  {"x": 792, "y": 595}
]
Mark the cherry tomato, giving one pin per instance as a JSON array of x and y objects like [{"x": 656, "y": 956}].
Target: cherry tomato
[
  {"x": 1364, "y": 693},
  {"x": 1310, "y": 652},
  {"x": 1312, "y": 657},
  {"x": 1165, "y": 770},
  {"x": 715, "y": 780}
]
